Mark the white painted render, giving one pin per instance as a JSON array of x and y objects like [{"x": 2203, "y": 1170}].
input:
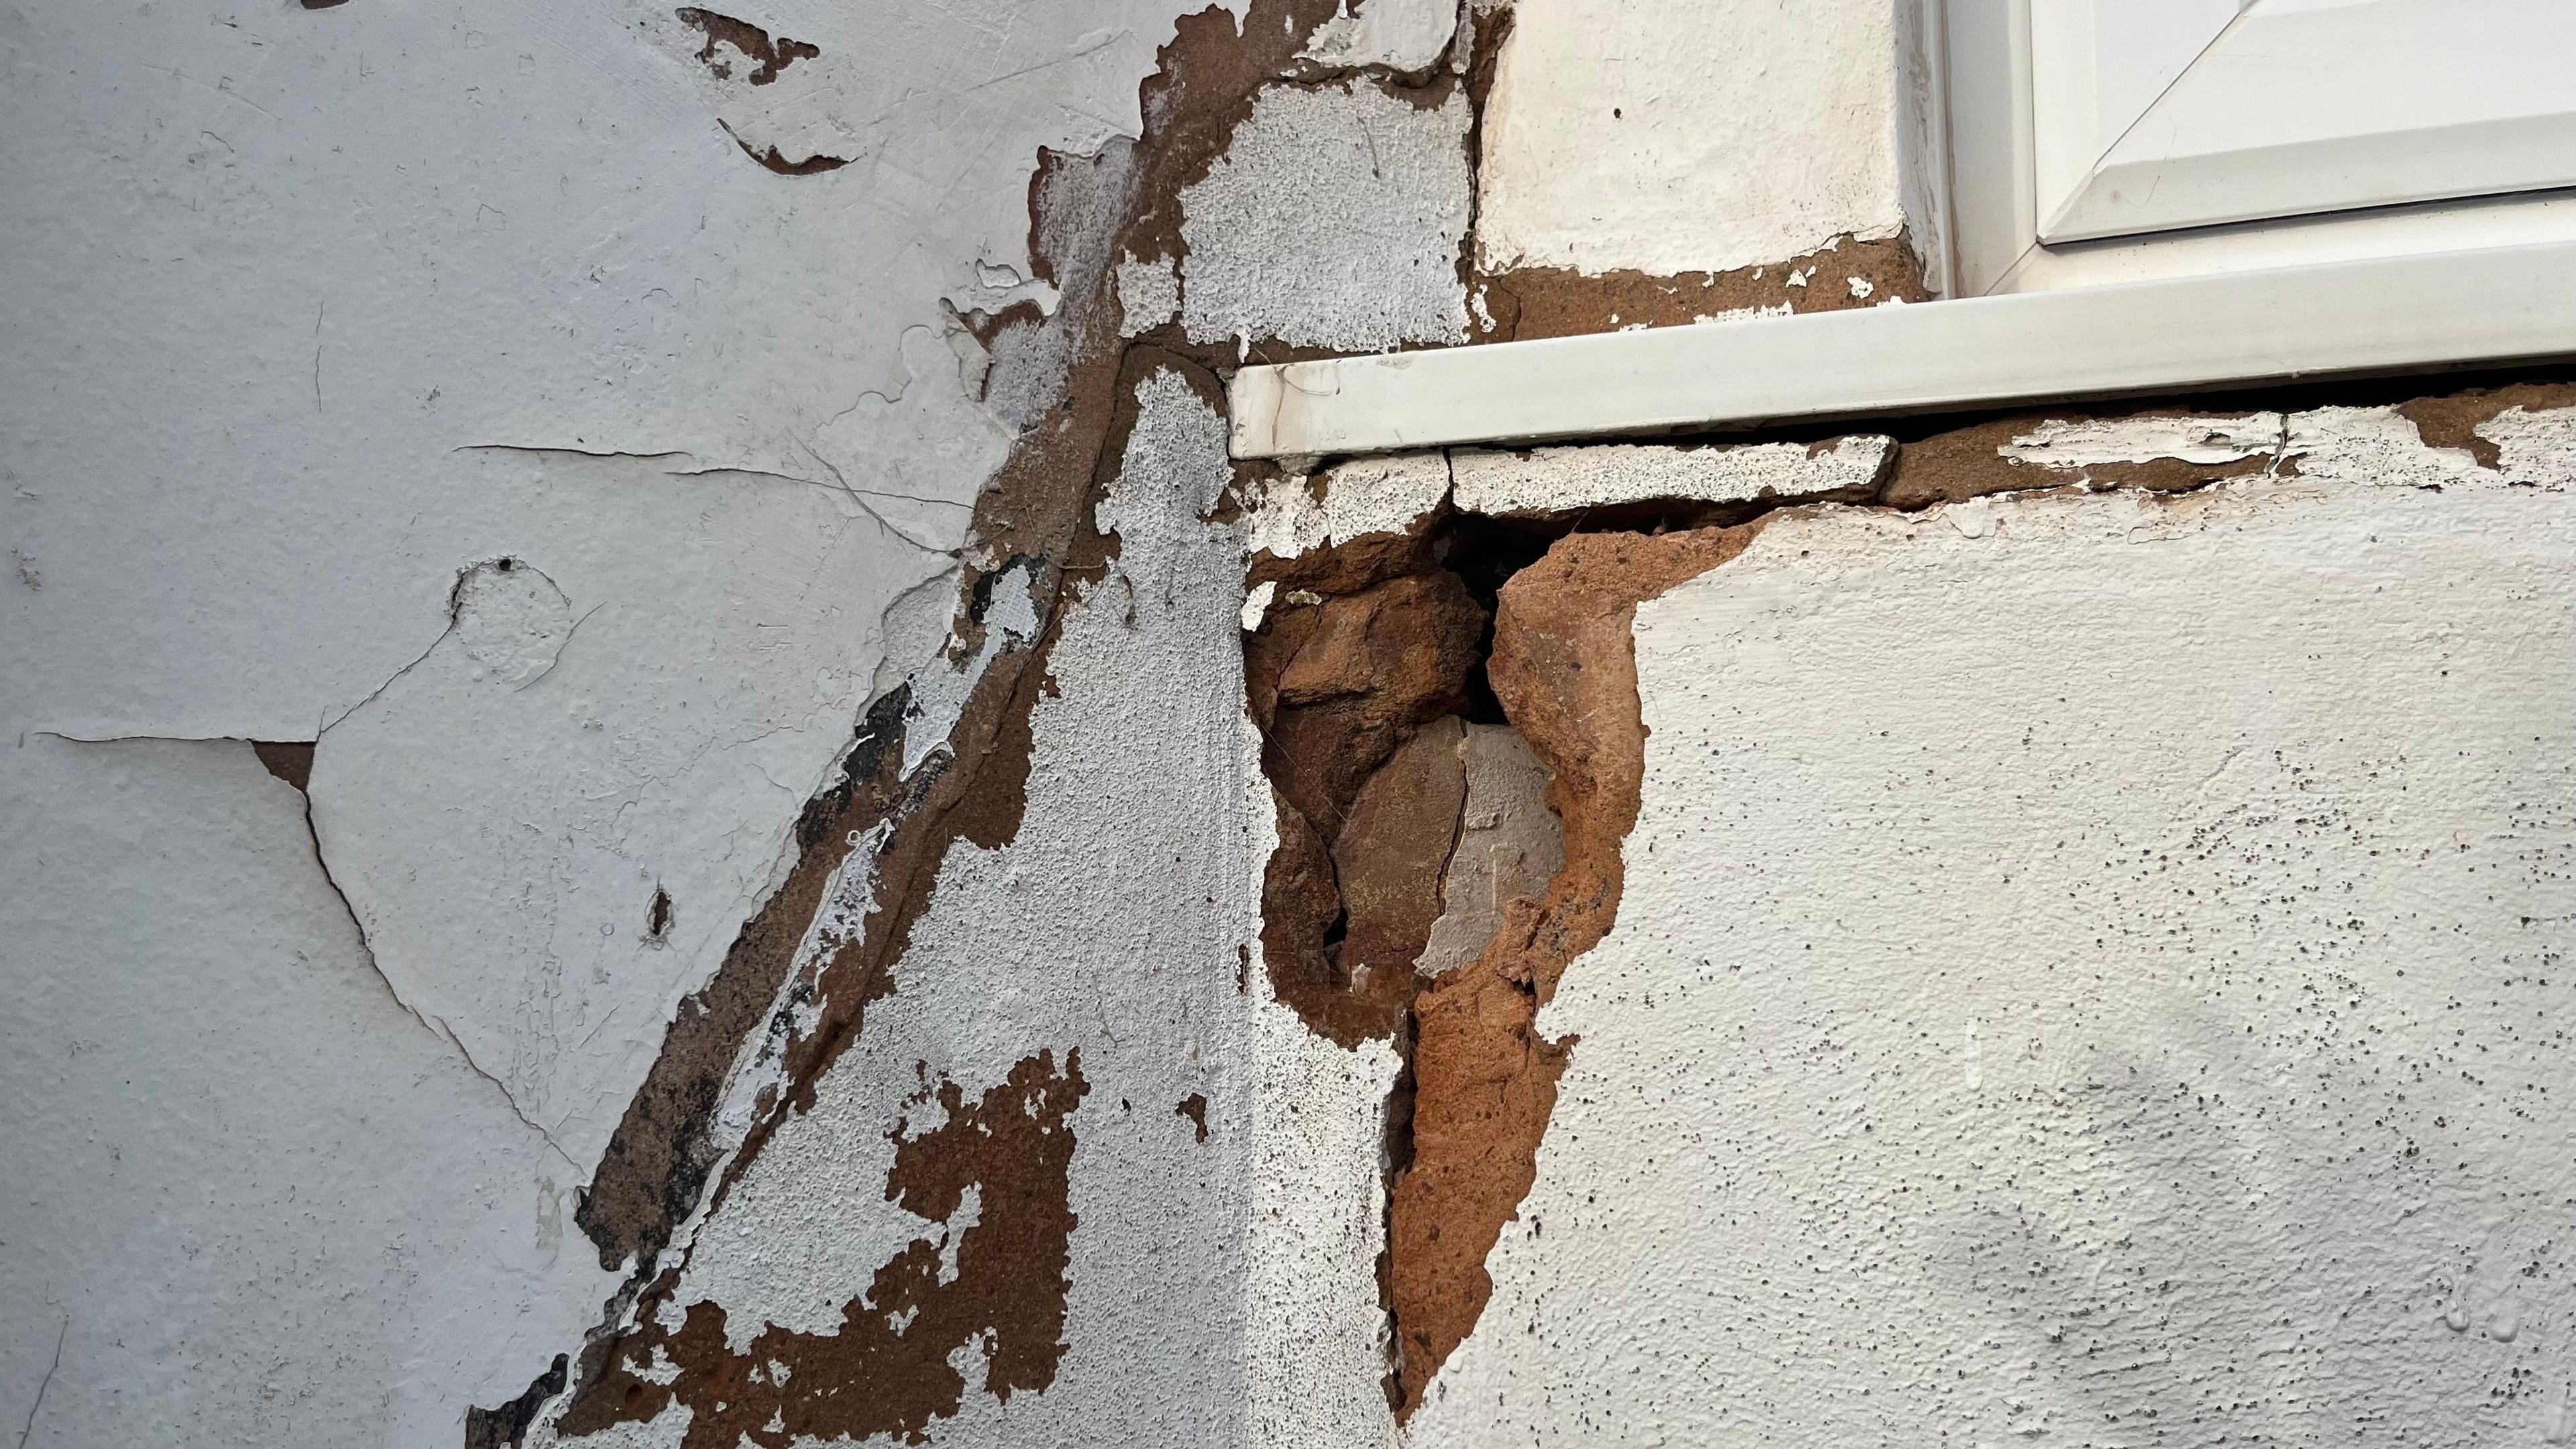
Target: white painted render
[
  {"x": 2091, "y": 971},
  {"x": 454, "y": 388},
  {"x": 1541, "y": 481},
  {"x": 1333, "y": 220},
  {"x": 1404, "y": 36},
  {"x": 250, "y": 1198},
  {"x": 1677, "y": 138}
]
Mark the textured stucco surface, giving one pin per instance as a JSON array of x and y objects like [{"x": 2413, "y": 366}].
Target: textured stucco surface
[
  {"x": 1333, "y": 220},
  {"x": 2089, "y": 965},
  {"x": 2091, "y": 972},
  {"x": 1559, "y": 480},
  {"x": 1220, "y": 1290},
  {"x": 1679, "y": 138}
]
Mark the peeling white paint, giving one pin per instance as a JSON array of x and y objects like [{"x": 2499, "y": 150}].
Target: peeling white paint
[
  {"x": 1677, "y": 138},
  {"x": 2532, "y": 447},
  {"x": 327, "y": 310},
  {"x": 1560, "y": 480},
  {"x": 1334, "y": 219},
  {"x": 1118, "y": 923},
  {"x": 2088, "y": 977},
  {"x": 2377, "y": 445},
  {"x": 502, "y": 812},
  {"x": 939, "y": 694},
  {"x": 1397, "y": 35},
  {"x": 2074, "y": 445},
  {"x": 1510, "y": 845}
]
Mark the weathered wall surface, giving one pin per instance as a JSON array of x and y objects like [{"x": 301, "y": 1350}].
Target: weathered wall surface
[
  {"x": 2090, "y": 971},
  {"x": 1651, "y": 138},
  {"x": 665, "y": 792}
]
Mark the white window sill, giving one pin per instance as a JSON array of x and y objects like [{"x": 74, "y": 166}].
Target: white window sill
[{"x": 2380, "y": 315}]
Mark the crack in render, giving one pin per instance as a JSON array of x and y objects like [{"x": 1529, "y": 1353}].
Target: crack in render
[
  {"x": 291, "y": 761},
  {"x": 28, "y": 1431},
  {"x": 432, "y": 1024},
  {"x": 839, "y": 484}
]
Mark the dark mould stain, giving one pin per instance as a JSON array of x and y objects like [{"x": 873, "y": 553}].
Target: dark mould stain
[
  {"x": 995, "y": 1287},
  {"x": 1194, "y": 1107},
  {"x": 288, "y": 760},
  {"x": 772, "y": 56},
  {"x": 504, "y": 1427}
]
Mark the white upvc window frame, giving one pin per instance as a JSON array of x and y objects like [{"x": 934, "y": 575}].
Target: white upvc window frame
[
  {"x": 1989, "y": 244},
  {"x": 2398, "y": 289}
]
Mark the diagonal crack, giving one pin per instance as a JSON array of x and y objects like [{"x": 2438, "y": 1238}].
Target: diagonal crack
[
  {"x": 432, "y": 1024},
  {"x": 29, "y": 1430}
]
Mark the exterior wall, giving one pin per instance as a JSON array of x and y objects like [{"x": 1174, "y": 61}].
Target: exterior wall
[
  {"x": 666, "y": 791},
  {"x": 2086, "y": 974}
]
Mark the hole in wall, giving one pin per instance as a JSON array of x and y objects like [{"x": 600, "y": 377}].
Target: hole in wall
[{"x": 657, "y": 916}]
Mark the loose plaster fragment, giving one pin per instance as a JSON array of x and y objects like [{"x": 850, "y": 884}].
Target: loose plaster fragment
[
  {"x": 1333, "y": 220},
  {"x": 1523, "y": 301},
  {"x": 996, "y": 1293},
  {"x": 2159, "y": 452},
  {"x": 1356, "y": 524},
  {"x": 1484, "y": 1078},
  {"x": 1149, "y": 295},
  {"x": 1510, "y": 845},
  {"x": 1394, "y": 849},
  {"x": 2100, "y": 449},
  {"x": 1406, "y": 36},
  {"x": 508, "y": 1424},
  {"x": 1563, "y": 480},
  {"x": 657, "y": 1162}
]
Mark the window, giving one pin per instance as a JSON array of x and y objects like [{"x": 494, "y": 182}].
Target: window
[
  {"x": 2098, "y": 141},
  {"x": 2142, "y": 195}
]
